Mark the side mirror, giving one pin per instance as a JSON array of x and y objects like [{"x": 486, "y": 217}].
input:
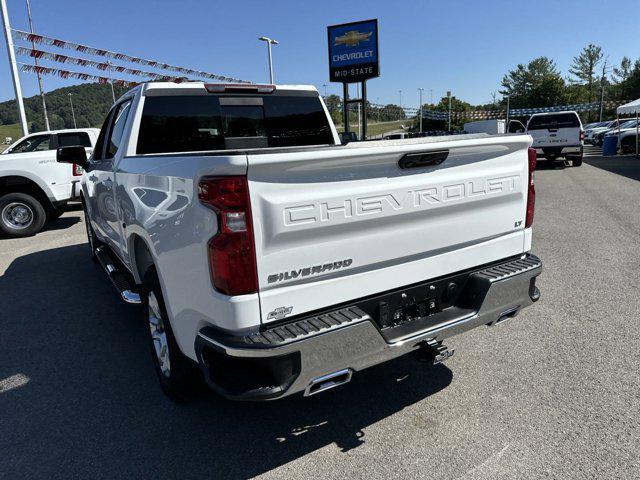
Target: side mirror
[{"x": 74, "y": 155}]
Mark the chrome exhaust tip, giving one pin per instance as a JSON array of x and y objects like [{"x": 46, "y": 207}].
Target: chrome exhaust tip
[{"x": 327, "y": 382}]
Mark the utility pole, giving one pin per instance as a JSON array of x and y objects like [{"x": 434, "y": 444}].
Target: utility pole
[
  {"x": 604, "y": 68},
  {"x": 325, "y": 90},
  {"x": 35, "y": 61},
  {"x": 420, "y": 90},
  {"x": 269, "y": 42},
  {"x": 72, "y": 112},
  {"x": 14, "y": 68},
  {"x": 400, "y": 93},
  {"x": 449, "y": 97}
]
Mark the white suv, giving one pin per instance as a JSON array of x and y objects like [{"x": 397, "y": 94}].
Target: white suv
[{"x": 557, "y": 134}]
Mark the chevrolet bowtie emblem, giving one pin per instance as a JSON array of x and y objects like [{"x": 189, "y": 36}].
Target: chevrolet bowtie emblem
[{"x": 352, "y": 38}]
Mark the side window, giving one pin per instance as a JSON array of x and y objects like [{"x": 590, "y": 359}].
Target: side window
[
  {"x": 36, "y": 143},
  {"x": 98, "y": 151},
  {"x": 118, "y": 122},
  {"x": 74, "y": 139}
]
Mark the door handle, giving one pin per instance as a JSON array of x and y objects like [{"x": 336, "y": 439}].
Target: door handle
[{"x": 423, "y": 159}]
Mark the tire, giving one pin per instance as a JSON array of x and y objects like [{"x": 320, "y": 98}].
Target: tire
[
  {"x": 179, "y": 377},
  {"x": 21, "y": 215},
  {"x": 576, "y": 161}
]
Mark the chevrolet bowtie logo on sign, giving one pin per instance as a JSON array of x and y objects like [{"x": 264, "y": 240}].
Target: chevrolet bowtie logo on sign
[
  {"x": 352, "y": 38},
  {"x": 353, "y": 51}
]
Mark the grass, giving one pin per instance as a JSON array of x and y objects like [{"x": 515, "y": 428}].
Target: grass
[
  {"x": 13, "y": 130},
  {"x": 378, "y": 128}
]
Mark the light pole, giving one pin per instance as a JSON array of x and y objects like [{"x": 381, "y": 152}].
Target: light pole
[
  {"x": 14, "y": 67},
  {"x": 421, "y": 90},
  {"x": 72, "y": 112},
  {"x": 325, "y": 90},
  {"x": 449, "y": 97},
  {"x": 400, "y": 93},
  {"x": 35, "y": 61},
  {"x": 269, "y": 42}
]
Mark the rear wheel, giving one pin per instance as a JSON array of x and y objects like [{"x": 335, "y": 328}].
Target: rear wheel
[
  {"x": 576, "y": 161},
  {"x": 21, "y": 215},
  {"x": 179, "y": 377}
]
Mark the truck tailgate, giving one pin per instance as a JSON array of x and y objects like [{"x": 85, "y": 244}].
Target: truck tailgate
[{"x": 335, "y": 224}]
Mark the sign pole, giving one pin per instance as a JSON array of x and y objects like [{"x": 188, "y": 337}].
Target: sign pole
[
  {"x": 353, "y": 58},
  {"x": 14, "y": 68},
  {"x": 345, "y": 105},
  {"x": 364, "y": 110}
]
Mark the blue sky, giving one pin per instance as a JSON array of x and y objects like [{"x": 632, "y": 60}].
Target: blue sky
[{"x": 465, "y": 47}]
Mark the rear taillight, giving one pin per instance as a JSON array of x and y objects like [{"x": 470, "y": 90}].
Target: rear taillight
[
  {"x": 581, "y": 135},
  {"x": 531, "y": 193},
  {"x": 77, "y": 170},
  {"x": 232, "y": 258}
]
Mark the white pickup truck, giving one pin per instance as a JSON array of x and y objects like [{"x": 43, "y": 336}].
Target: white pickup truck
[
  {"x": 270, "y": 259},
  {"x": 557, "y": 134},
  {"x": 33, "y": 187}
]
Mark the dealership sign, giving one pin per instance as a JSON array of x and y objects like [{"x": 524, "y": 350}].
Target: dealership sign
[{"x": 353, "y": 51}]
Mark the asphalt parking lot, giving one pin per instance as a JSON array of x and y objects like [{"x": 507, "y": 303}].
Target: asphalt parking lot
[{"x": 553, "y": 393}]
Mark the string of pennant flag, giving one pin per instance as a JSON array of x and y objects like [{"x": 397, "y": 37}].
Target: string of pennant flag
[
  {"x": 26, "y": 67},
  {"x": 56, "y": 57},
  {"x": 99, "y": 52}
]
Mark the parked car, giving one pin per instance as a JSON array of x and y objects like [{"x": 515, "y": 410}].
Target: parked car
[
  {"x": 395, "y": 136},
  {"x": 627, "y": 140},
  {"x": 272, "y": 260},
  {"x": 516, "y": 126},
  {"x": 598, "y": 138},
  {"x": 492, "y": 127},
  {"x": 596, "y": 128},
  {"x": 33, "y": 187},
  {"x": 556, "y": 135}
]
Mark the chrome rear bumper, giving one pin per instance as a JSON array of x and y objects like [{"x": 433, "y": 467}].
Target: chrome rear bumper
[{"x": 294, "y": 355}]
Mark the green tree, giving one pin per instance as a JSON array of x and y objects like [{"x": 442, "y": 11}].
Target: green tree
[
  {"x": 583, "y": 68},
  {"x": 623, "y": 72},
  {"x": 334, "y": 105},
  {"x": 537, "y": 84},
  {"x": 91, "y": 102}
]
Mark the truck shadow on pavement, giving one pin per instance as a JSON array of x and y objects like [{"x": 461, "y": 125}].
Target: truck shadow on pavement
[
  {"x": 627, "y": 166},
  {"x": 88, "y": 404}
]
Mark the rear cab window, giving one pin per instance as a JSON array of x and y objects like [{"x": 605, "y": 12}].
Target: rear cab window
[
  {"x": 551, "y": 122},
  {"x": 191, "y": 123},
  {"x": 74, "y": 139}
]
